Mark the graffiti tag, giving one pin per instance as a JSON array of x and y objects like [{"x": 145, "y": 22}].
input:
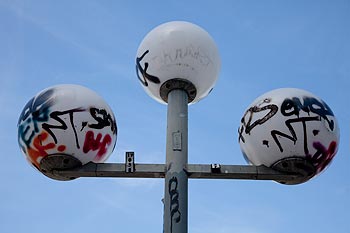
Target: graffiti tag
[
  {"x": 293, "y": 136},
  {"x": 61, "y": 124},
  {"x": 38, "y": 122},
  {"x": 103, "y": 119},
  {"x": 323, "y": 156},
  {"x": 35, "y": 112},
  {"x": 40, "y": 149},
  {"x": 248, "y": 126},
  {"x": 190, "y": 51},
  {"x": 174, "y": 202},
  {"x": 143, "y": 71},
  {"x": 293, "y": 106},
  {"x": 99, "y": 144}
]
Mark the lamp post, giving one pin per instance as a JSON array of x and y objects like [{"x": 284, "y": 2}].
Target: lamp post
[
  {"x": 176, "y": 178},
  {"x": 287, "y": 135}
]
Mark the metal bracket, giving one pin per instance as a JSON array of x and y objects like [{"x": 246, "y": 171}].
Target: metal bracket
[
  {"x": 129, "y": 162},
  {"x": 216, "y": 168}
]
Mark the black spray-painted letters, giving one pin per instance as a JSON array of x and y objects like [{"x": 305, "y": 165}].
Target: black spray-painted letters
[{"x": 143, "y": 71}]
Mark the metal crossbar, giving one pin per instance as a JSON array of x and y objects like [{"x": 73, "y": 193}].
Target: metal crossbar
[{"x": 194, "y": 171}]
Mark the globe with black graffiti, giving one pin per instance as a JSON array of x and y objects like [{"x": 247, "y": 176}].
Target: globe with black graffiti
[
  {"x": 290, "y": 130},
  {"x": 64, "y": 127},
  {"x": 178, "y": 55}
]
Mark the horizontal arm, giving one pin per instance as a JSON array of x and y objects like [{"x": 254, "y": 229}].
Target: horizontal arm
[{"x": 194, "y": 171}]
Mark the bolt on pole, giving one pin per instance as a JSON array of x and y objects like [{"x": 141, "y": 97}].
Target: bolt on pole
[{"x": 176, "y": 178}]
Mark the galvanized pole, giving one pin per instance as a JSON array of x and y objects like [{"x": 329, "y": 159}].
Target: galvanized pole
[{"x": 176, "y": 178}]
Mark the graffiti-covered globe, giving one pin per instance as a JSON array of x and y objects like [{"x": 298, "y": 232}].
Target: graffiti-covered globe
[
  {"x": 178, "y": 55},
  {"x": 290, "y": 130},
  {"x": 66, "y": 126}
]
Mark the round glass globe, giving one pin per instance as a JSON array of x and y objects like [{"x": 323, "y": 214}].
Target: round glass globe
[
  {"x": 179, "y": 51},
  {"x": 291, "y": 130},
  {"x": 66, "y": 125}
]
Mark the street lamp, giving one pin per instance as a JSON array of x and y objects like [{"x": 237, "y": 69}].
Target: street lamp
[{"x": 287, "y": 135}]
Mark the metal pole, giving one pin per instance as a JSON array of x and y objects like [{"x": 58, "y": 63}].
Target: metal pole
[{"x": 176, "y": 179}]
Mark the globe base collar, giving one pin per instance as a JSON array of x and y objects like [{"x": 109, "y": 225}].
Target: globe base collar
[
  {"x": 295, "y": 165},
  {"x": 58, "y": 162},
  {"x": 177, "y": 83}
]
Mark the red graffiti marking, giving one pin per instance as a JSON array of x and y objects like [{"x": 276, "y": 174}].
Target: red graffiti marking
[
  {"x": 323, "y": 155},
  {"x": 40, "y": 150},
  {"x": 61, "y": 148},
  {"x": 96, "y": 144}
]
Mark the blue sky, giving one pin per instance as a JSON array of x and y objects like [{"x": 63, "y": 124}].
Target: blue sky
[{"x": 263, "y": 45}]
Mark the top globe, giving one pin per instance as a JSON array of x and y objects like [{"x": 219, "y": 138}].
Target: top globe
[{"x": 179, "y": 51}]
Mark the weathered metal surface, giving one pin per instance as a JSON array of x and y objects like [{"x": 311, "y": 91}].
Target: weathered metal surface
[{"x": 194, "y": 171}]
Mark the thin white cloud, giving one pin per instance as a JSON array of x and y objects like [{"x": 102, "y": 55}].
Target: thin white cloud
[{"x": 73, "y": 38}]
